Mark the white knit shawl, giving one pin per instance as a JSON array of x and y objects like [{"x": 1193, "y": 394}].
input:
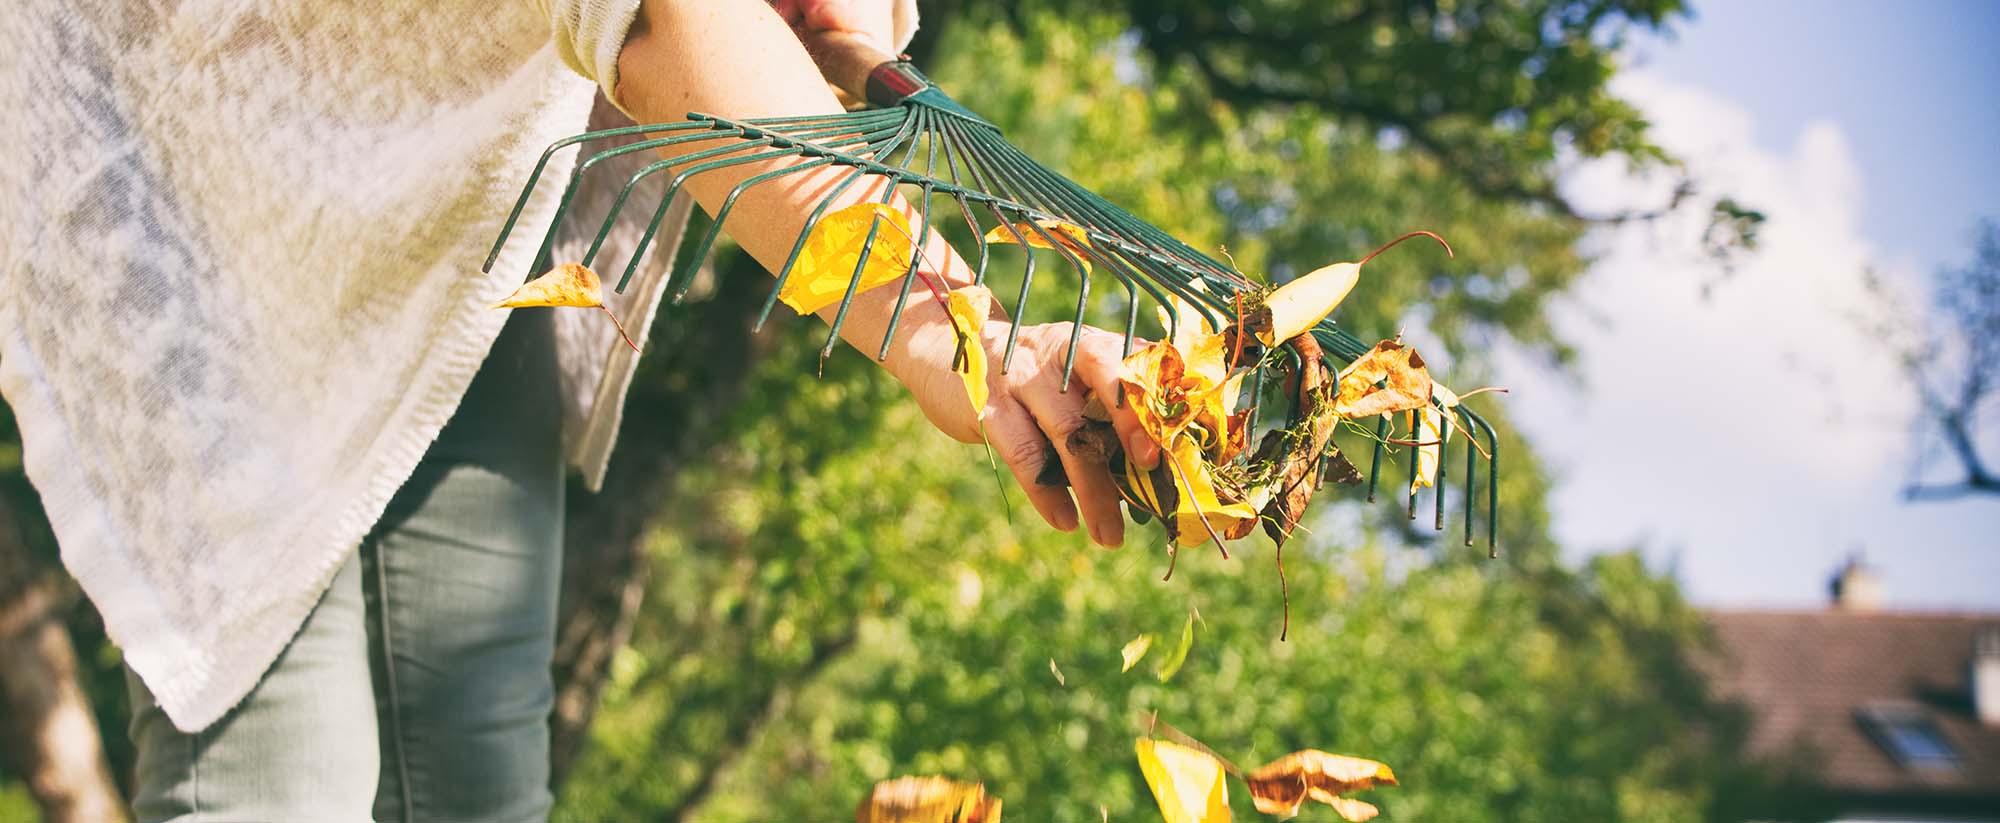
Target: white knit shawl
[{"x": 240, "y": 289}]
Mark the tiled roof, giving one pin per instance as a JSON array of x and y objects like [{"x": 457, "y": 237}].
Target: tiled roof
[{"x": 1810, "y": 676}]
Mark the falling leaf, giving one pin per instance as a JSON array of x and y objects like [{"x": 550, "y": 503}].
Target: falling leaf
[
  {"x": 928, "y": 800},
  {"x": 1070, "y": 235},
  {"x": 1172, "y": 665},
  {"x": 968, "y": 307},
  {"x": 1281, "y": 786},
  {"x": 1294, "y": 308},
  {"x": 569, "y": 284},
  {"x": 1060, "y": 680},
  {"x": 1135, "y": 650},
  {"x": 825, "y": 268},
  {"x": 1187, "y": 782},
  {"x": 1406, "y": 384}
]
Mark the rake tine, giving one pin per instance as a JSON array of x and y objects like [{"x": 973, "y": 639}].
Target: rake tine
[
  {"x": 1375, "y": 461},
  {"x": 1443, "y": 460},
  {"x": 1256, "y": 402},
  {"x": 1492, "y": 483},
  {"x": 646, "y": 240},
  {"x": 785, "y": 273},
  {"x": 541, "y": 165},
  {"x": 853, "y": 284},
  {"x": 894, "y": 176},
  {"x": 798, "y": 245},
  {"x": 576, "y": 176},
  {"x": 1471, "y": 482},
  {"x": 685, "y": 268},
  {"x": 923, "y": 230},
  {"x": 964, "y": 207},
  {"x": 1416, "y": 433}
]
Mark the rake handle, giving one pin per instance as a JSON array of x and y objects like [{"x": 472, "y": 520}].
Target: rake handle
[{"x": 852, "y": 63}]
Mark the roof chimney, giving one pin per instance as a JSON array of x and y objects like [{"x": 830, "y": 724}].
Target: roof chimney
[
  {"x": 1986, "y": 675},
  {"x": 1856, "y": 588}
]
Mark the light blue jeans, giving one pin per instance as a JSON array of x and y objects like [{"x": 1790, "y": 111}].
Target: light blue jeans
[{"x": 418, "y": 689}]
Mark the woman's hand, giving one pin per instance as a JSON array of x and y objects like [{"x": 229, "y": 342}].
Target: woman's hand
[
  {"x": 1027, "y": 411},
  {"x": 738, "y": 58}
]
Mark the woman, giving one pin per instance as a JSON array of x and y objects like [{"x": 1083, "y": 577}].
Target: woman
[{"x": 242, "y": 320}]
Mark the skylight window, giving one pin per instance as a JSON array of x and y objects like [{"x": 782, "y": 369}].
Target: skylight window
[{"x": 1910, "y": 736}]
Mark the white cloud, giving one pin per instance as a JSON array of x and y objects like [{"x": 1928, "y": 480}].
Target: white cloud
[{"x": 1755, "y": 430}]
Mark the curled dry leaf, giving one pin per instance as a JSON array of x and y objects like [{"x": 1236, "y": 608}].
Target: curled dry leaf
[
  {"x": 825, "y": 268},
  {"x": 1187, "y": 782},
  {"x": 1294, "y": 308},
  {"x": 1433, "y": 429},
  {"x": 1135, "y": 651},
  {"x": 1406, "y": 384},
  {"x": 928, "y": 800},
  {"x": 968, "y": 307},
  {"x": 569, "y": 284},
  {"x": 1281, "y": 786},
  {"x": 1070, "y": 235}
]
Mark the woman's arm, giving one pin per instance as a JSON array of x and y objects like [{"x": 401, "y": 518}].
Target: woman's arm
[{"x": 738, "y": 58}]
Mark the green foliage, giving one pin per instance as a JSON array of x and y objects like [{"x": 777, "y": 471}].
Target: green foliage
[{"x": 840, "y": 596}]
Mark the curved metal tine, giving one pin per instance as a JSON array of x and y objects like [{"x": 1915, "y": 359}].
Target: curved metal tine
[
  {"x": 785, "y": 273},
  {"x": 1125, "y": 222},
  {"x": 1443, "y": 461},
  {"x": 541, "y": 164},
  {"x": 685, "y": 268},
  {"x": 576, "y": 175},
  {"x": 860, "y": 267},
  {"x": 1471, "y": 478},
  {"x": 1375, "y": 461},
  {"x": 653, "y": 227},
  {"x": 1256, "y": 403},
  {"x": 1492, "y": 483},
  {"x": 892, "y": 173},
  {"x": 990, "y": 178},
  {"x": 950, "y": 138},
  {"x": 922, "y": 228},
  {"x": 975, "y": 164},
  {"x": 1064, "y": 210}
]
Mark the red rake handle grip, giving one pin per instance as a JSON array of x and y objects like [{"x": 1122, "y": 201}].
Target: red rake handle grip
[{"x": 852, "y": 63}]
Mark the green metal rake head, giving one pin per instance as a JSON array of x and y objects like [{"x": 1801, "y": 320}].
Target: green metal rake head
[{"x": 929, "y": 147}]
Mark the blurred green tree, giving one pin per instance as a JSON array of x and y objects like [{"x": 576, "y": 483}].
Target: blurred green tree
[{"x": 837, "y": 596}]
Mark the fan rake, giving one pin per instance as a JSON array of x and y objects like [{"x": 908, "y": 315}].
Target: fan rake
[{"x": 930, "y": 148}]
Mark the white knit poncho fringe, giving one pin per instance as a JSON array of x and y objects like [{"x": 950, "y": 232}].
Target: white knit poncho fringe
[{"x": 240, "y": 289}]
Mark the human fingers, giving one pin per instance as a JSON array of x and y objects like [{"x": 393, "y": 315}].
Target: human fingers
[
  {"x": 1059, "y": 414},
  {"x": 1019, "y": 443},
  {"x": 1100, "y": 361}
]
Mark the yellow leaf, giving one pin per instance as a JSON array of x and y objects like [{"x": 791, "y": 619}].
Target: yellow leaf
[
  {"x": 1187, "y": 782},
  {"x": 1060, "y": 680},
  {"x": 968, "y": 307},
  {"x": 1197, "y": 501},
  {"x": 1298, "y": 306},
  {"x": 825, "y": 267},
  {"x": 928, "y": 800},
  {"x": 1406, "y": 383},
  {"x": 1135, "y": 650},
  {"x": 1432, "y": 430},
  {"x": 570, "y": 284},
  {"x": 1281, "y": 786},
  {"x": 1070, "y": 235}
]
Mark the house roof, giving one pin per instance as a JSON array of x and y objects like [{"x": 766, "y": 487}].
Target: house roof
[{"x": 1826, "y": 678}]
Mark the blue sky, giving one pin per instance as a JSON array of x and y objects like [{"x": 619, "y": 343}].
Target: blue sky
[{"x": 1751, "y": 439}]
